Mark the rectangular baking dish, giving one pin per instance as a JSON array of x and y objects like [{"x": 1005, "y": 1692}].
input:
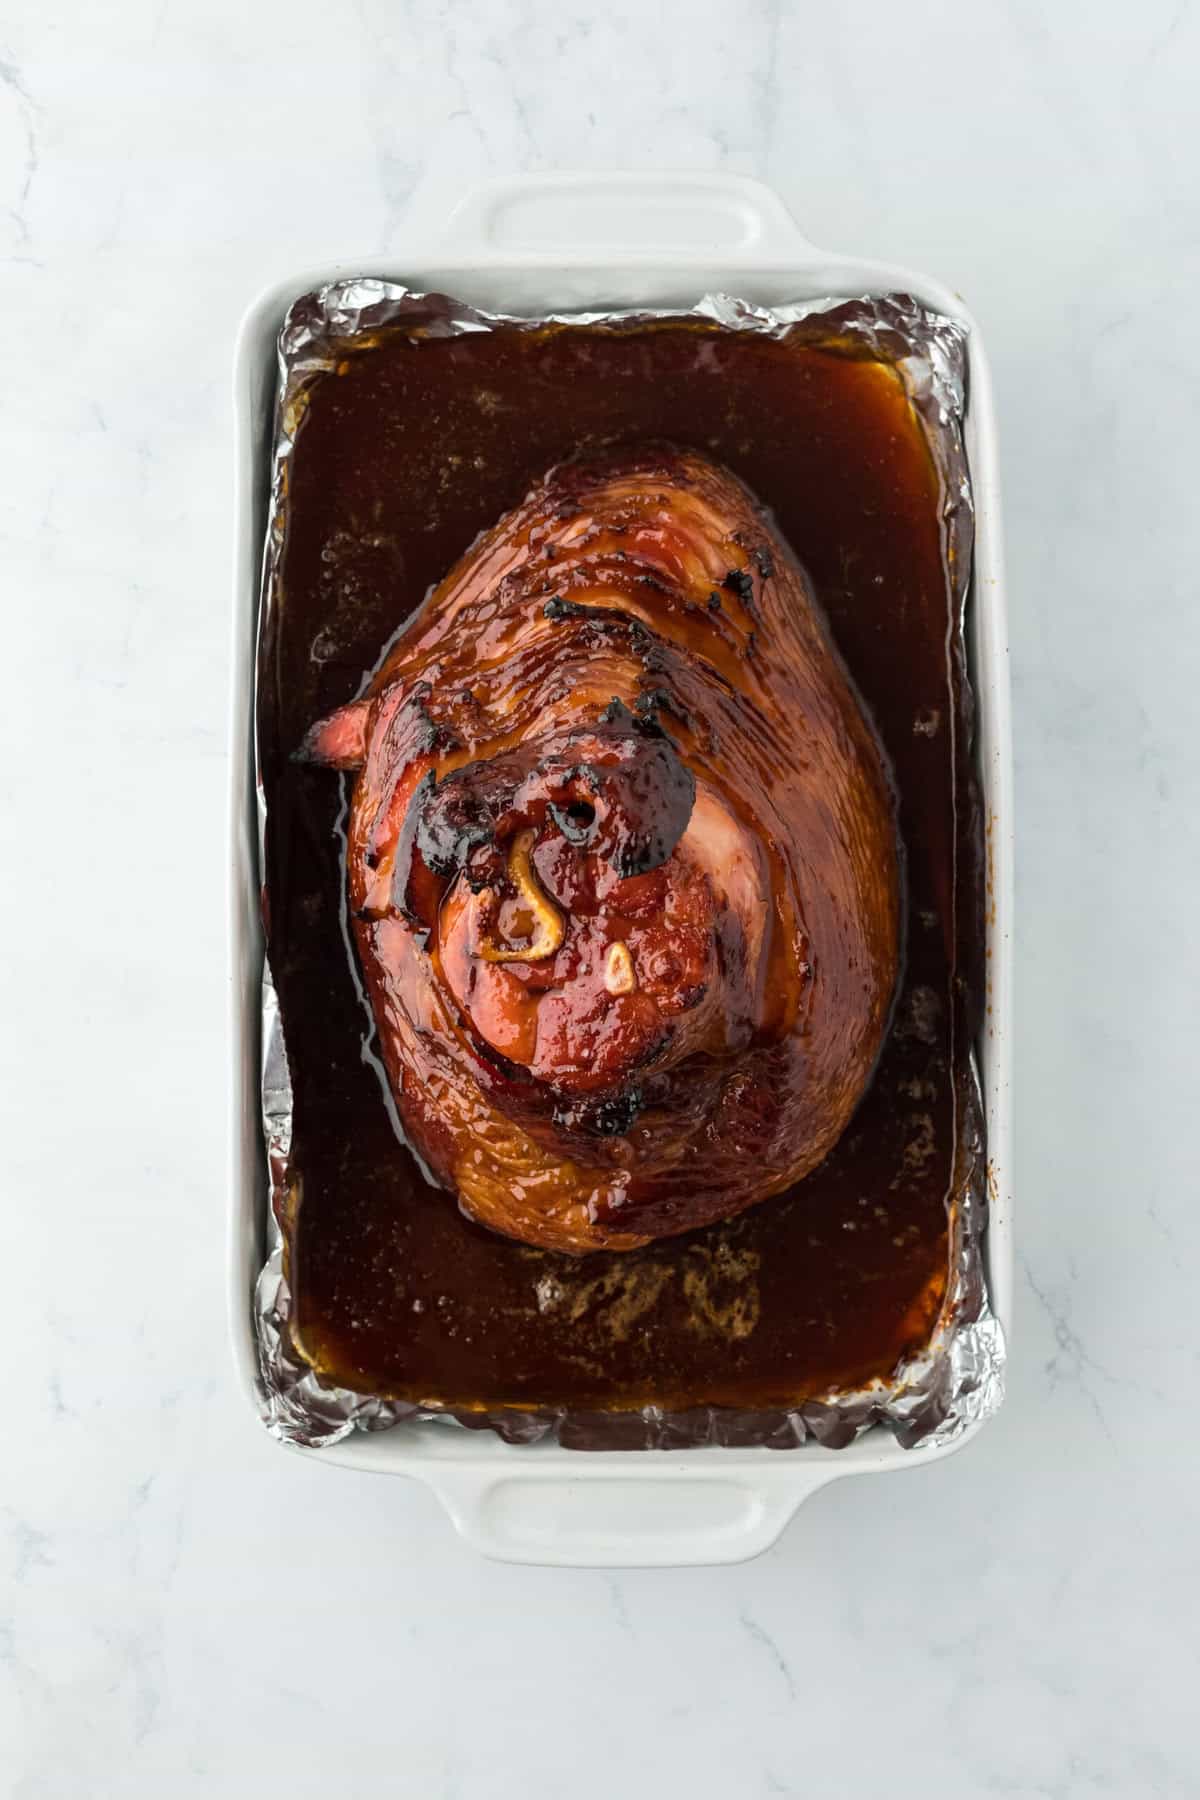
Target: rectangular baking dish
[{"x": 556, "y": 243}]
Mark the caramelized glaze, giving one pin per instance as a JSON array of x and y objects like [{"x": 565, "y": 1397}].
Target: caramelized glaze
[
  {"x": 622, "y": 863},
  {"x": 402, "y": 456}
]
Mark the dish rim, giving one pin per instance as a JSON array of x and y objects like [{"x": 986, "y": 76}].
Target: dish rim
[{"x": 521, "y": 1503}]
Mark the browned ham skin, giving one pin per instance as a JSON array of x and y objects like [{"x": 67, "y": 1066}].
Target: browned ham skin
[{"x": 622, "y": 862}]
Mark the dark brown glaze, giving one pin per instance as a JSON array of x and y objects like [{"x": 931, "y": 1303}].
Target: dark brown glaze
[
  {"x": 622, "y": 862},
  {"x": 401, "y": 458}
]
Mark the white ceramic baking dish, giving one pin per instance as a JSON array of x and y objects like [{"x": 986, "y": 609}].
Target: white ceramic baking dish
[{"x": 558, "y": 242}]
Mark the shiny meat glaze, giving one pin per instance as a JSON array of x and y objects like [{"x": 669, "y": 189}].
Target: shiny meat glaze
[
  {"x": 622, "y": 862},
  {"x": 407, "y": 448}
]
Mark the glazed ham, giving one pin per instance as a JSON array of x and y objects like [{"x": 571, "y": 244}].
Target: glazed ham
[{"x": 622, "y": 862}]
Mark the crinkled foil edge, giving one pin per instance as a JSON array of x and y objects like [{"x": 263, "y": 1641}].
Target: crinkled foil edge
[{"x": 957, "y": 1380}]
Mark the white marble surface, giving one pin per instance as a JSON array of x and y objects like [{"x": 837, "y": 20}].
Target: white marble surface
[{"x": 184, "y": 1608}]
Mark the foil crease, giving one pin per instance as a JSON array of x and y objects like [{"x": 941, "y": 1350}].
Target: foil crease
[{"x": 957, "y": 1380}]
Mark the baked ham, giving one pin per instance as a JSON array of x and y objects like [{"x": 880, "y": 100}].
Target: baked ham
[{"x": 622, "y": 864}]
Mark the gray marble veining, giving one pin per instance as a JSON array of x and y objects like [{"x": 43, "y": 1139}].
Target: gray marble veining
[{"x": 186, "y": 1610}]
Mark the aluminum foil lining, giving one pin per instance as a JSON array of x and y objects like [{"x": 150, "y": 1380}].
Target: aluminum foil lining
[{"x": 958, "y": 1378}]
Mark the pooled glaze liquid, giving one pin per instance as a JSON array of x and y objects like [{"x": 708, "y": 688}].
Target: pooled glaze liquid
[{"x": 403, "y": 453}]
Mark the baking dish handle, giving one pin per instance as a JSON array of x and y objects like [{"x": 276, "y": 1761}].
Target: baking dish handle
[
  {"x": 616, "y": 1517},
  {"x": 667, "y": 215}
]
